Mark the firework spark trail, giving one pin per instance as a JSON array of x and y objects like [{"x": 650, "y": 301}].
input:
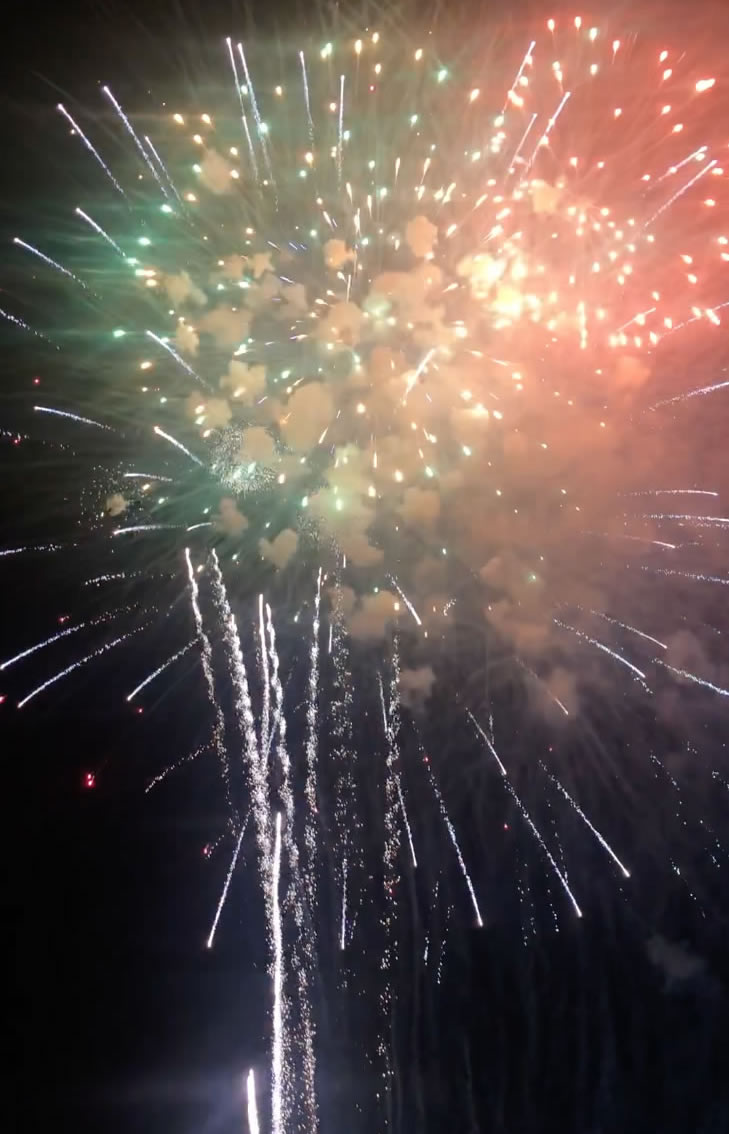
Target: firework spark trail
[
  {"x": 244, "y": 120},
  {"x": 452, "y": 834},
  {"x": 542, "y": 685},
  {"x": 178, "y": 359},
  {"x": 701, "y": 392},
  {"x": 343, "y": 923},
  {"x": 307, "y": 102},
  {"x": 75, "y": 126},
  {"x": 277, "y": 974},
  {"x": 160, "y": 669},
  {"x": 682, "y": 811},
  {"x": 77, "y": 664},
  {"x": 406, "y": 821},
  {"x": 340, "y": 134},
  {"x": 692, "y": 677},
  {"x": 147, "y": 476},
  {"x": 406, "y": 600},
  {"x": 72, "y": 417},
  {"x": 24, "y": 326},
  {"x": 708, "y": 521},
  {"x": 602, "y": 841},
  {"x": 345, "y": 817},
  {"x": 186, "y": 759},
  {"x": 680, "y": 192},
  {"x": 130, "y": 129},
  {"x": 178, "y": 445},
  {"x": 246, "y": 720},
  {"x": 390, "y": 872},
  {"x": 631, "y": 629},
  {"x": 304, "y": 948},
  {"x": 163, "y": 167},
  {"x": 49, "y": 642},
  {"x": 310, "y": 787},
  {"x": 550, "y": 126},
  {"x": 517, "y": 800},
  {"x": 256, "y": 115},
  {"x": 605, "y": 649},
  {"x": 226, "y": 886},
  {"x": 526, "y": 61},
  {"x": 522, "y": 140},
  {"x": 102, "y": 232},
  {"x": 265, "y": 681},
  {"x": 206, "y": 655},
  {"x": 697, "y": 577},
  {"x": 146, "y": 528},
  {"x": 253, "y": 1124},
  {"x": 31, "y": 547},
  {"x": 675, "y": 491}
]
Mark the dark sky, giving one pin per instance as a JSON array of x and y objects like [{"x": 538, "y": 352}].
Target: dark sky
[{"x": 120, "y": 1019}]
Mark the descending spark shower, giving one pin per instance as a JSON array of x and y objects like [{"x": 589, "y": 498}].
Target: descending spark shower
[{"x": 408, "y": 349}]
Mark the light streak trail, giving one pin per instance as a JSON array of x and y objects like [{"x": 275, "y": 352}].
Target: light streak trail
[
  {"x": 77, "y": 664},
  {"x": 178, "y": 359},
  {"x": 452, "y": 833},
  {"x": 602, "y": 841},
  {"x": 97, "y": 228},
  {"x": 137, "y": 142},
  {"x": 160, "y": 669},
  {"x": 406, "y": 600},
  {"x": 75, "y": 126},
  {"x": 163, "y": 167},
  {"x": 692, "y": 677},
  {"x": 343, "y": 929},
  {"x": 256, "y": 114},
  {"x": 24, "y": 326},
  {"x": 631, "y": 629},
  {"x": 186, "y": 759},
  {"x": 310, "y": 786},
  {"x": 605, "y": 649},
  {"x": 145, "y": 528},
  {"x": 517, "y": 800},
  {"x": 244, "y": 120},
  {"x": 253, "y": 1124},
  {"x": 697, "y": 578},
  {"x": 177, "y": 444},
  {"x": 263, "y": 655},
  {"x": 543, "y": 685},
  {"x": 680, "y": 192},
  {"x": 46, "y": 642},
  {"x": 72, "y": 417},
  {"x": 31, "y": 547},
  {"x": 226, "y": 886},
  {"x": 700, "y": 392},
  {"x": 406, "y": 821},
  {"x": 340, "y": 141},
  {"x": 246, "y": 719},
  {"x": 306, "y": 98},
  {"x": 278, "y": 989},
  {"x": 147, "y": 476},
  {"x": 207, "y": 665}
]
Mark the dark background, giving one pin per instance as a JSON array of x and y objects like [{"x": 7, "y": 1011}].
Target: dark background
[{"x": 118, "y": 1017}]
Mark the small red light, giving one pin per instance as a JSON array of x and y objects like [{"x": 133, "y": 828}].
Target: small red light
[
  {"x": 371, "y": 89},
  {"x": 62, "y": 618},
  {"x": 36, "y": 381},
  {"x": 506, "y": 826},
  {"x": 2, "y": 698},
  {"x": 206, "y": 850},
  {"x": 139, "y": 711},
  {"x": 89, "y": 780}
]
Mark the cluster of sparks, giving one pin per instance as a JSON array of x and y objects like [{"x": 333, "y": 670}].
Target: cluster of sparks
[{"x": 357, "y": 351}]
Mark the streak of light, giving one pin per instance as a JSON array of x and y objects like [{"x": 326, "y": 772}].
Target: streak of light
[
  {"x": 77, "y": 665},
  {"x": 72, "y": 417},
  {"x": 602, "y": 841},
  {"x": 75, "y": 126},
  {"x": 226, "y": 886},
  {"x": 160, "y": 669},
  {"x": 178, "y": 444}
]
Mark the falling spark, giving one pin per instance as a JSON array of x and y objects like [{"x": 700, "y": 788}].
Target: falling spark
[
  {"x": 343, "y": 930},
  {"x": 631, "y": 629},
  {"x": 306, "y": 97},
  {"x": 177, "y": 444},
  {"x": 186, "y": 759},
  {"x": 72, "y": 417},
  {"x": 41, "y": 645},
  {"x": 692, "y": 677},
  {"x": 102, "y": 232},
  {"x": 77, "y": 665},
  {"x": 451, "y": 831},
  {"x": 700, "y": 392},
  {"x": 602, "y": 841},
  {"x": 224, "y": 894},
  {"x": 605, "y": 649},
  {"x": 207, "y": 665},
  {"x": 75, "y": 126},
  {"x": 517, "y": 800},
  {"x": 278, "y": 991},
  {"x": 253, "y": 1125},
  {"x": 160, "y": 669},
  {"x": 131, "y": 131},
  {"x": 406, "y": 600},
  {"x": 178, "y": 359}
]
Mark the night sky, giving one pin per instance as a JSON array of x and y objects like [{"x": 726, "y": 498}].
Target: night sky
[{"x": 119, "y": 1018}]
